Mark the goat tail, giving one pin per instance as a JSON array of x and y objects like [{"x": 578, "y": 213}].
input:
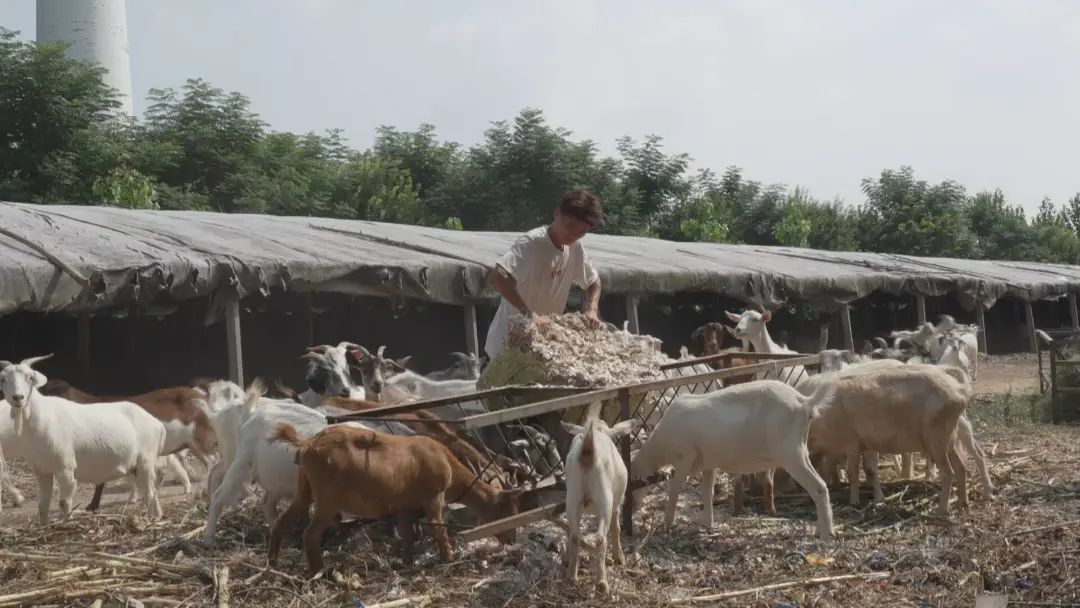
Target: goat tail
[
  {"x": 822, "y": 396},
  {"x": 255, "y": 392},
  {"x": 587, "y": 456},
  {"x": 287, "y": 433}
]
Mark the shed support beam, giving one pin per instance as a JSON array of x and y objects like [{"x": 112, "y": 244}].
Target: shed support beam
[
  {"x": 472, "y": 342},
  {"x": 1073, "y": 312},
  {"x": 920, "y": 308},
  {"x": 1032, "y": 339},
  {"x": 84, "y": 349},
  {"x": 845, "y": 320},
  {"x": 632, "y": 314},
  {"x": 232, "y": 335},
  {"x": 980, "y": 318}
]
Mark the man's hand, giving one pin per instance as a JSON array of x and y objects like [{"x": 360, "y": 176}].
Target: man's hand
[
  {"x": 592, "y": 319},
  {"x": 539, "y": 320}
]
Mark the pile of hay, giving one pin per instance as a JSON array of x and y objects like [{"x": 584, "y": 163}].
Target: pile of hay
[{"x": 567, "y": 352}]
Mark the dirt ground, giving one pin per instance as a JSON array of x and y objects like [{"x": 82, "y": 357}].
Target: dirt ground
[{"x": 1025, "y": 543}]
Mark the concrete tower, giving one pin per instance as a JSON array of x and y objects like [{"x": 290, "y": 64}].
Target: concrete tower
[{"x": 96, "y": 31}]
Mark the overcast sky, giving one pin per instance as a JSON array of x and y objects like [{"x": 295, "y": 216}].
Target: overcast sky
[{"x": 818, "y": 94}]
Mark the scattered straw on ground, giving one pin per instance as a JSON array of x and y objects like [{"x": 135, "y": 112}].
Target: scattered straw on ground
[{"x": 1025, "y": 544}]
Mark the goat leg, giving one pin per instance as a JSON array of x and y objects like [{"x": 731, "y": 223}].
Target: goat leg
[{"x": 95, "y": 502}]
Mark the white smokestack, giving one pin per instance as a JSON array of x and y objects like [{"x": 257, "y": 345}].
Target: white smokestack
[{"x": 96, "y": 31}]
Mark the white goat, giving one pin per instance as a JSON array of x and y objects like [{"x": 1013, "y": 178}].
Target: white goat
[
  {"x": 747, "y": 428},
  {"x": 93, "y": 443},
  {"x": 464, "y": 367},
  {"x": 750, "y": 328},
  {"x": 595, "y": 482},
  {"x": 426, "y": 388},
  {"x": 248, "y": 454}
]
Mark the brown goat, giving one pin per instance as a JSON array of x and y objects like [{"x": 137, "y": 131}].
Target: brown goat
[
  {"x": 423, "y": 423},
  {"x": 172, "y": 406},
  {"x": 377, "y": 475}
]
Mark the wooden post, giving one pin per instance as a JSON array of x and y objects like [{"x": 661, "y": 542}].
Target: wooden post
[
  {"x": 631, "y": 314},
  {"x": 980, "y": 318},
  {"x": 84, "y": 349},
  {"x": 1073, "y": 312},
  {"x": 628, "y": 501},
  {"x": 920, "y": 308},
  {"x": 472, "y": 342},
  {"x": 232, "y": 335},
  {"x": 845, "y": 320},
  {"x": 823, "y": 337},
  {"x": 1032, "y": 338}
]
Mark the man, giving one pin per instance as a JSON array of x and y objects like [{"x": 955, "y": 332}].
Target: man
[{"x": 535, "y": 276}]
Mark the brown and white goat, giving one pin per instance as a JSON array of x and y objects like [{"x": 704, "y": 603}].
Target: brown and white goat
[
  {"x": 186, "y": 425},
  {"x": 376, "y": 475}
]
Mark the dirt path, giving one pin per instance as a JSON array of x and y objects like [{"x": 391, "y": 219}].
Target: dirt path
[{"x": 1000, "y": 374}]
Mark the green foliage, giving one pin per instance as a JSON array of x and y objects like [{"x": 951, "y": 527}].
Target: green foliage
[
  {"x": 124, "y": 187},
  {"x": 201, "y": 148},
  {"x": 793, "y": 229}
]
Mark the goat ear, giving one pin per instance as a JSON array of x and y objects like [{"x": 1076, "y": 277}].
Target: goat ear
[
  {"x": 623, "y": 428},
  {"x": 766, "y": 316},
  {"x": 401, "y": 363},
  {"x": 321, "y": 349},
  {"x": 5, "y": 364},
  {"x": 572, "y": 428},
  {"x": 729, "y": 329},
  {"x": 39, "y": 378},
  {"x": 520, "y": 443},
  {"x": 459, "y": 356},
  {"x": 732, "y": 316}
]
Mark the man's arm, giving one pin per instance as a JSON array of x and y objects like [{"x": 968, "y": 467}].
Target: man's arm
[
  {"x": 506, "y": 285},
  {"x": 592, "y": 301}
]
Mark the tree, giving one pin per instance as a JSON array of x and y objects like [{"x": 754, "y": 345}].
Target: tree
[
  {"x": 124, "y": 187},
  {"x": 793, "y": 229},
  {"x": 56, "y": 123},
  {"x": 1001, "y": 231},
  {"x": 913, "y": 217}
]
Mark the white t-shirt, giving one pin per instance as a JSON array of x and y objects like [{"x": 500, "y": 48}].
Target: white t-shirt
[{"x": 544, "y": 274}]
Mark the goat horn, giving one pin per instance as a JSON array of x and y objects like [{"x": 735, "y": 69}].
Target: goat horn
[
  {"x": 459, "y": 356},
  {"x": 30, "y": 361},
  {"x": 349, "y": 345},
  {"x": 379, "y": 353},
  {"x": 314, "y": 356},
  {"x": 319, "y": 349}
]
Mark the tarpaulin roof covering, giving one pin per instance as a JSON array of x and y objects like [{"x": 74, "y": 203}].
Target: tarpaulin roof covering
[{"x": 141, "y": 256}]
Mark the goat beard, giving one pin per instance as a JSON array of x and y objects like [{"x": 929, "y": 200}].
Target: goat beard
[{"x": 17, "y": 416}]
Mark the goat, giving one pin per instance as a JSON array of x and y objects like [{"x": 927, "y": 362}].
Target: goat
[
  {"x": 425, "y": 388},
  {"x": 375, "y": 370},
  {"x": 375, "y": 475},
  {"x": 464, "y": 367},
  {"x": 596, "y": 478},
  {"x": 94, "y": 443},
  {"x": 328, "y": 373},
  {"x": 187, "y": 427},
  {"x": 741, "y": 429},
  {"x": 892, "y": 409},
  {"x": 750, "y": 328}
]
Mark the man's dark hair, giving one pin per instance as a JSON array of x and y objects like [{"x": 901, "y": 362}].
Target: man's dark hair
[{"x": 583, "y": 205}]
